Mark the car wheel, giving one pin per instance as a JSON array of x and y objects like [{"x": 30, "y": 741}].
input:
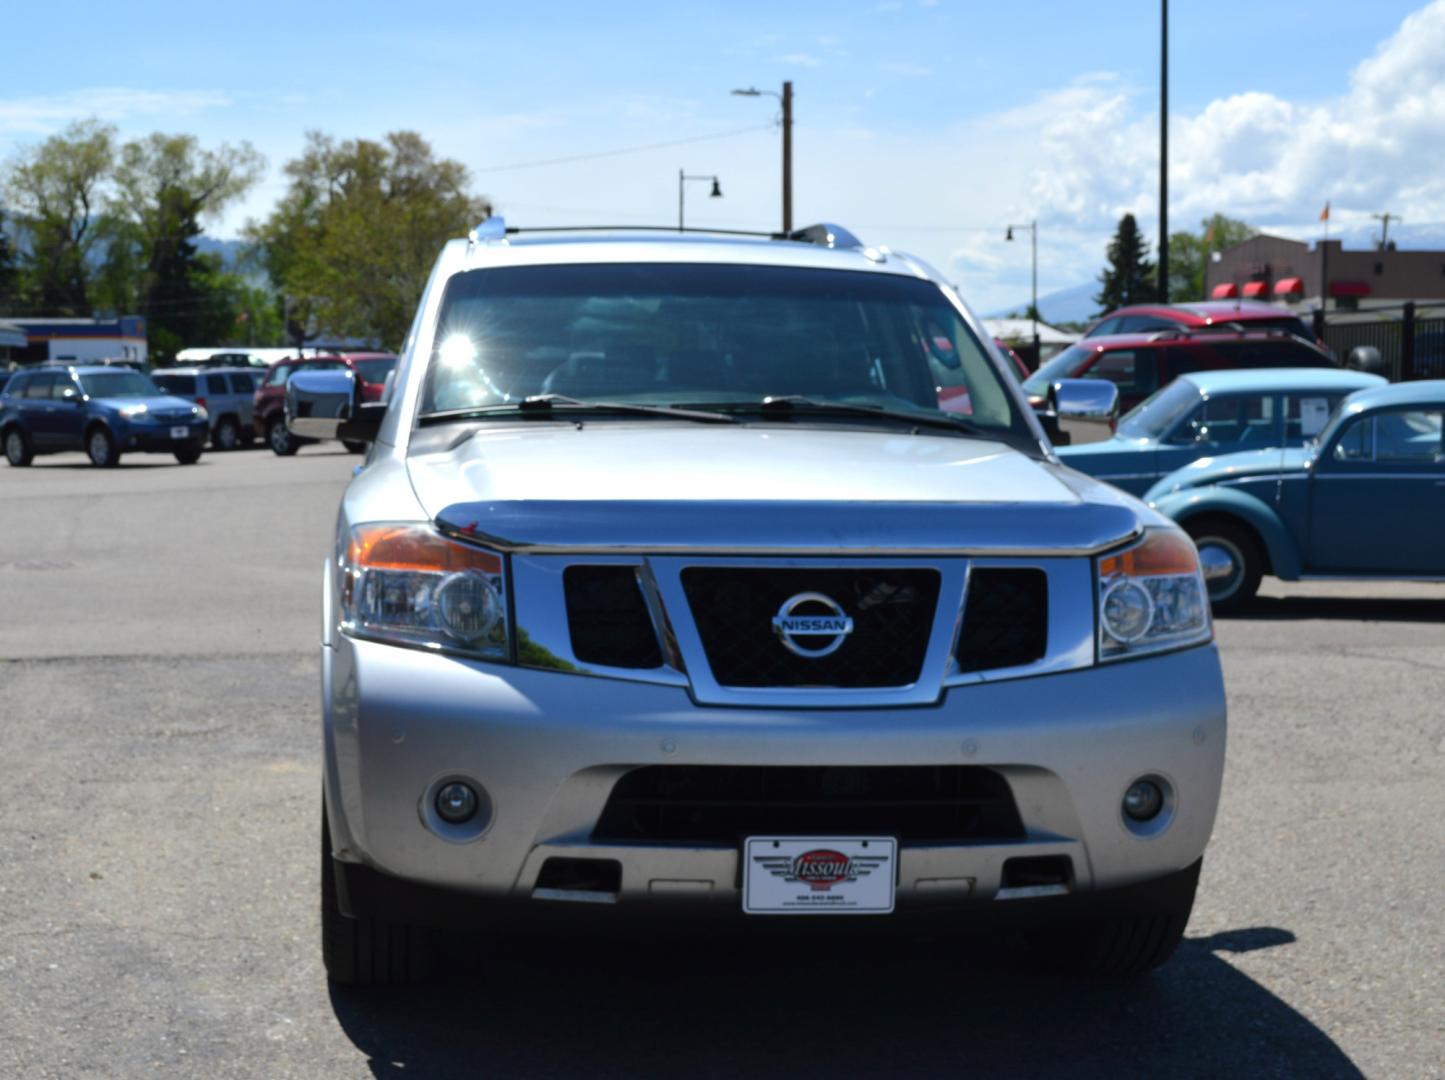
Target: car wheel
[
  {"x": 17, "y": 448},
  {"x": 1231, "y": 560},
  {"x": 282, "y": 442},
  {"x": 227, "y": 435},
  {"x": 1138, "y": 935},
  {"x": 366, "y": 951},
  {"x": 189, "y": 456},
  {"x": 101, "y": 449},
  {"x": 354, "y": 447}
]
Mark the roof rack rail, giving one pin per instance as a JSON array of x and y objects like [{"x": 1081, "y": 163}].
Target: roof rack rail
[
  {"x": 826, "y": 234},
  {"x": 823, "y": 234}
]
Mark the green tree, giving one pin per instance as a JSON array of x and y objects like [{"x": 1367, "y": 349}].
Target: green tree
[
  {"x": 56, "y": 190},
  {"x": 9, "y": 276},
  {"x": 164, "y": 186},
  {"x": 1189, "y": 253},
  {"x": 353, "y": 240},
  {"x": 1129, "y": 278}
]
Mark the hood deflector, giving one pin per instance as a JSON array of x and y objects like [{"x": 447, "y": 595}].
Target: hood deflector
[{"x": 791, "y": 528}]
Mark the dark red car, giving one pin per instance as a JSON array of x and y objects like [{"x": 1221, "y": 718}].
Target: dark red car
[
  {"x": 1139, "y": 364},
  {"x": 1245, "y": 314},
  {"x": 370, "y": 368}
]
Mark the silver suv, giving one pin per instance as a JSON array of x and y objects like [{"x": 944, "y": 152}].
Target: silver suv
[
  {"x": 226, "y": 394},
  {"x": 727, "y": 574}
]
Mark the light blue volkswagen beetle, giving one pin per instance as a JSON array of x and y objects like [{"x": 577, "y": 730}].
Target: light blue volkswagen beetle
[
  {"x": 1208, "y": 413},
  {"x": 1366, "y": 499}
]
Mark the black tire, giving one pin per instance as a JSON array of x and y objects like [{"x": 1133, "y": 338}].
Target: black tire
[
  {"x": 354, "y": 447},
  {"x": 1133, "y": 937},
  {"x": 101, "y": 449},
  {"x": 227, "y": 435},
  {"x": 18, "y": 450},
  {"x": 366, "y": 951},
  {"x": 1220, "y": 538},
  {"x": 281, "y": 441},
  {"x": 189, "y": 456}
]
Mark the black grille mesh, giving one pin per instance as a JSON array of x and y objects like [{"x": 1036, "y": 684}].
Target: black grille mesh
[
  {"x": 1005, "y": 619},
  {"x": 721, "y": 804},
  {"x": 607, "y": 617},
  {"x": 892, "y": 611}
]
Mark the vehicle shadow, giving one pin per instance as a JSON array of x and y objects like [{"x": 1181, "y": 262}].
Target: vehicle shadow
[
  {"x": 806, "y": 1005},
  {"x": 1353, "y": 608}
]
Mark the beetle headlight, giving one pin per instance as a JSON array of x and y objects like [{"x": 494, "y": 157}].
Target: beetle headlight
[
  {"x": 1151, "y": 597},
  {"x": 409, "y": 585}
]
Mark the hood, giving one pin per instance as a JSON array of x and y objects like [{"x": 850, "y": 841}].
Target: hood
[
  {"x": 816, "y": 488},
  {"x": 1214, "y": 470},
  {"x": 153, "y": 403}
]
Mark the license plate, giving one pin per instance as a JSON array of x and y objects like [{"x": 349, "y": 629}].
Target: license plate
[
  {"x": 180, "y": 433},
  {"x": 790, "y": 875}
]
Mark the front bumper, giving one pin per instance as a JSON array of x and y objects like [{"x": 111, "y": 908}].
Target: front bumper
[
  {"x": 547, "y": 748},
  {"x": 156, "y": 438}
]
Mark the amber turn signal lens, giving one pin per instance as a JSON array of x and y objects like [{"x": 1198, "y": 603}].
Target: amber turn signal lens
[
  {"x": 1162, "y": 552},
  {"x": 415, "y": 548}
]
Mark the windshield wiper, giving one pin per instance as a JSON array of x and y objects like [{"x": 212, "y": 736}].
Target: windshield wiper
[
  {"x": 555, "y": 404},
  {"x": 789, "y": 404}
]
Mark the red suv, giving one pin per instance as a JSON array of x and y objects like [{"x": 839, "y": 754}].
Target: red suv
[
  {"x": 1139, "y": 364},
  {"x": 1241, "y": 314},
  {"x": 370, "y": 369}
]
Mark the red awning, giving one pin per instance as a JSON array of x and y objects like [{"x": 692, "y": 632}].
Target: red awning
[
  {"x": 1290, "y": 286},
  {"x": 1227, "y": 291},
  {"x": 1349, "y": 288},
  {"x": 1255, "y": 289}
]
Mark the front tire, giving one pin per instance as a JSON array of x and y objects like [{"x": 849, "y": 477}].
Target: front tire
[
  {"x": 189, "y": 456},
  {"x": 227, "y": 435},
  {"x": 101, "y": 449},
  {"x": 1232, "y": 561},
  {"x": 18, "y": 450},
  {"x": 366, "y": 951},
  {"x": 281, "y": 441}
]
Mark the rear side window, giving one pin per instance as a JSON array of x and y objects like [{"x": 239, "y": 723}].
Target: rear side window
[
  {"x": 1108, "y": 326},
  {"x": 1144, "y": 324},
  {"x": 241, "y": 382},
  {"x": 1133, "y": 371},
  {"x": 216, "y": 384},
  {"x": 183, "y": 385},
  {"x": 40, "y": 385},
  {"x": 1305, "y": 415}
]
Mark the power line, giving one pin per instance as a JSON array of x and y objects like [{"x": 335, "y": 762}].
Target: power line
[{"x": 624, "y": 150}]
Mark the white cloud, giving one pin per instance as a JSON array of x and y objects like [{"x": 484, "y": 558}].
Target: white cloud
[
  {"x": 798, "y": 59},
  {"x": 42, "y": 115}
]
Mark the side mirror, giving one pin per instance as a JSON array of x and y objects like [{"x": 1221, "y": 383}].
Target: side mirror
[
  {"x": 1085, "y": 408},
  {"x": 327, "y": 405},
  {"x": 1365, "y": 358},
  {"x": 72, "y": 395}
]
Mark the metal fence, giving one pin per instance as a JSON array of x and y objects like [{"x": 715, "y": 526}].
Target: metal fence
[{"x": 1411, "y": 339}]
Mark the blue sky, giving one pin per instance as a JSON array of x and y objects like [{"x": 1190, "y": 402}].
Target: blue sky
[{"x": 928, "y": 125}]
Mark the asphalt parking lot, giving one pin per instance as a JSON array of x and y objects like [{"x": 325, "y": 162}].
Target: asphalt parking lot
[{"x": 158, "y": 848}]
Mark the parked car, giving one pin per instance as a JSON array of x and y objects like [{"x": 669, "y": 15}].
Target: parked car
[
  {"x": 268, "y": 412},
  {"x": 226, "y": 393},
  {"x": 1139, "y": 364},
  {"x": 1208, "y": 413},
  {"x": 1020, "y": 368},
  {"x": 1366, "y": 499},
  {"x": 1203, "y": 314},
  {"x": 105, "y": 411},
  {"x": 668, "y": 587}
]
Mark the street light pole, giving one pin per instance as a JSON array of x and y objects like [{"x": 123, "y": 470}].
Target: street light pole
[
  {"x": 1033, "y": 228},
  {"x": 786, "y": 98},
  {"x": 682, "y": 179},
  {"x": 1164, "y": 152}
]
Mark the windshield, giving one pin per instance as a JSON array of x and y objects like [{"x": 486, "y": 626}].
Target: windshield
[
  {"x": 1062, "y": 366},
  {"x": 1157, "y": 413},
  {"x": 109, "y": 384},
  {"x": 375, "y": 369},
  {"x": 711, "y": 336}
]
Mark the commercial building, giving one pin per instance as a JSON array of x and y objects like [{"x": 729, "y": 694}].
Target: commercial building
[
  {"x": 79, "y": 340},
  {"x": 1291, "y": 272}
]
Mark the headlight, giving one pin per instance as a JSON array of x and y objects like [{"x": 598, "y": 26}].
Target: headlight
[
  {"x": 1152, "y": 597},
  {"x": 200, "y": 412},
  {"x": 133, "y": 412},
  {"x": 408, "y": 585}
]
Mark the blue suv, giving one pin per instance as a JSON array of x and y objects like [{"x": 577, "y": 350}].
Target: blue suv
[{"x": 105, "y": 411}]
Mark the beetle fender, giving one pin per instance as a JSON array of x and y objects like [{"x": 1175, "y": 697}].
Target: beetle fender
[{"x": 1284, "y": 556}]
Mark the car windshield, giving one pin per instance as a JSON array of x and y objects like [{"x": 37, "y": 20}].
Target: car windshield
[
  {"x": 375, "y": 369},
  {"x": 712, "y": 336},
  {"x": 120, "y": 383},
  {"x": 1157, "y": 413},
  {"x": 1062, "y": 366}
]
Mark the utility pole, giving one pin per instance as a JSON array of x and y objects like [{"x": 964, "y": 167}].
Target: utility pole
[
  {"x": 1033, "y": 228},
  {"x": 1384, "y": 220},
  {"x": 786, "y": 97},
  {"x": 1164, "y": 152}
]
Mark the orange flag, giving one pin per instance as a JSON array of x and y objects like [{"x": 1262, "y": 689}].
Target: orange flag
[{"x": 1325, "y": 213}]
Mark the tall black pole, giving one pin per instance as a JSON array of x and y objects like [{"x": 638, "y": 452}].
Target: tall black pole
[
  {"x": 1164, "y": 152},
  {"x": 788, "y": 157}
]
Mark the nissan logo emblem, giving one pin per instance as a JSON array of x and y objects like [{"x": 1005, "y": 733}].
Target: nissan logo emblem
[{"x": 830, "y": 627}]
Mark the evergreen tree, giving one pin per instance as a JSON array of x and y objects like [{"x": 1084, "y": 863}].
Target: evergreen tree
[
  {"x": 9, "y": 279},
  {"x": 1130, "y": 278}
]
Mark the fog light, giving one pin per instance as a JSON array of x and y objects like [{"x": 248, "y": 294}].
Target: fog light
[
  {"x": 1143, "y": 800},
  {"x": 456, "y": 802}
]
